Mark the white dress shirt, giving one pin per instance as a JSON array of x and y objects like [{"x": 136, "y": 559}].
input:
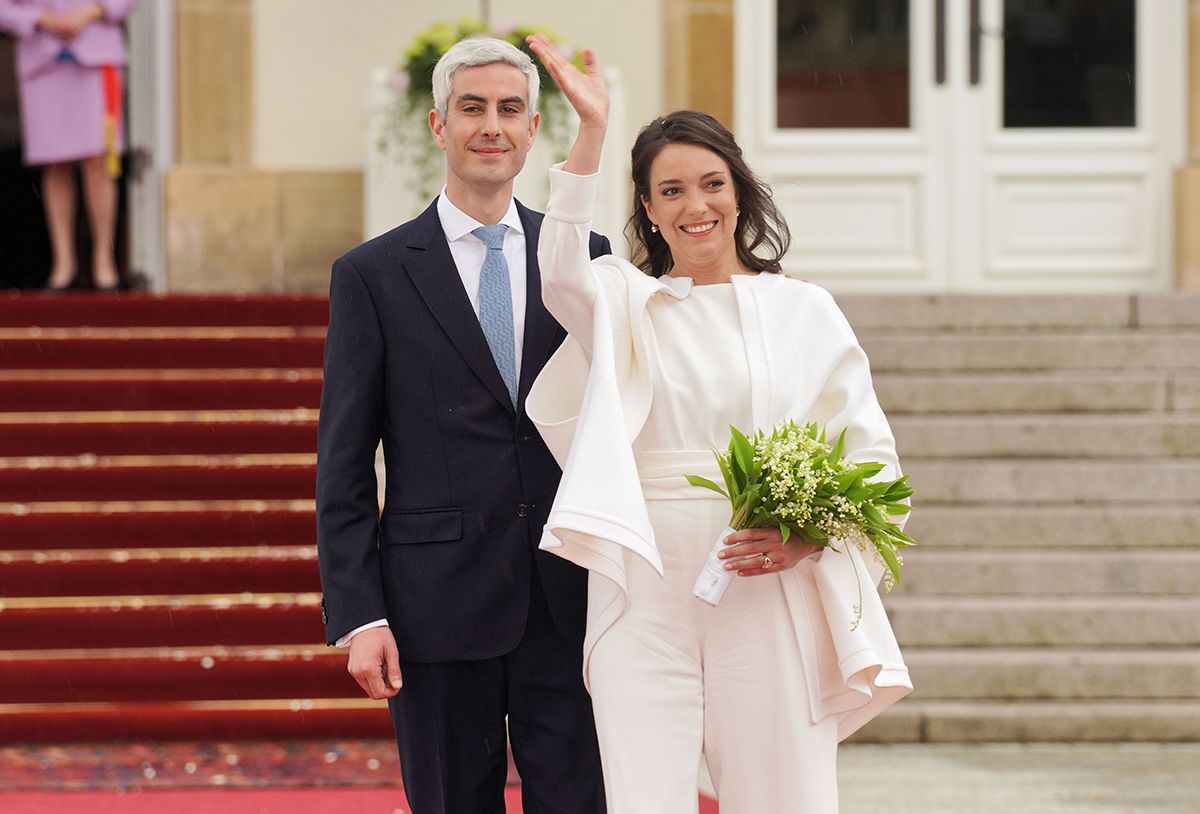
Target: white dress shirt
[{"x": 468, "y": 252}]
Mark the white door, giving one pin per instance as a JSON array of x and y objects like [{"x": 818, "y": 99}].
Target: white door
[{"x": 967, "y": 145}]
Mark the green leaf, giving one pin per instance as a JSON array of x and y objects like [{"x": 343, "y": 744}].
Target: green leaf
[
  {"x": 743, "y": 450},
  {"x": 855, "y": 494},
  {"x": 785, "y": 531},
  {"x": 726, "y": 473},
  {"x": 870, "y": 468},
  {"x": 839, "y": 449},
  {"x": 871, "y": 514},
  {"x": 815, "y": 534},
  {"x": 705, "y": 483},
  {"x": 844, "y": 481},
  {"x": 889, "y": 557}
]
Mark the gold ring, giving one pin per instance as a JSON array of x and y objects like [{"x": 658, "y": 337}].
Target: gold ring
[{"x": 767, "y": 562}]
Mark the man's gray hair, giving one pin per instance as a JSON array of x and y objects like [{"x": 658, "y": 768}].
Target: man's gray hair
[{"x": 474, "y": 52}]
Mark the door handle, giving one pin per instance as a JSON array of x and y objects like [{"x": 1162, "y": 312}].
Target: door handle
[
  {"x": 939, "y": 42},
  {"x": 976, "y": 38}
]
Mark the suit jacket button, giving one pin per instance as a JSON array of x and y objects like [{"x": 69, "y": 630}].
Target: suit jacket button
[{"x": 522, "y": 510}]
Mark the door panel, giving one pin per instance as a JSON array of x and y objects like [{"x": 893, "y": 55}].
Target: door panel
[
  {"x": 1064, "y": 179},
  {"x": 832, "y": 119},
  {"x": 1069, "y": 63},
  {"x": 1040, "y": 162},
  {"x": 842, "y": 63}
]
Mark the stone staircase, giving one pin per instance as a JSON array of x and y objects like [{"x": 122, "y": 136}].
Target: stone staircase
[
  {"x": 157, "y": 572},
  {"x": 1054, "y": 443}
]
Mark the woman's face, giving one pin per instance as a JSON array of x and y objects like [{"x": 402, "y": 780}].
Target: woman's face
[{"x": 693, "y": 201}]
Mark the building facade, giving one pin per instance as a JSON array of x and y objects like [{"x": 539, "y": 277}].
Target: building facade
[{"x": 1007, "y": 146}]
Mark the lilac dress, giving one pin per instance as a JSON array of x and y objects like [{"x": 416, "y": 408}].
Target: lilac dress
[{"x": 61, "y": 85}]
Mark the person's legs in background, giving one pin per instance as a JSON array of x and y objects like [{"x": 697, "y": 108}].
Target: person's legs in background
[
  {"x": 100, "y": 194},
  {"x": 58, "y": 199}
]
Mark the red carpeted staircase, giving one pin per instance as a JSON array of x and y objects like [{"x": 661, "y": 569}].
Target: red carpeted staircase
[{"x": 158, "y": 575}]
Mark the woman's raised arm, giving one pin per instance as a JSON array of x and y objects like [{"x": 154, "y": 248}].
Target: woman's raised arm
[
  {"x": 569, "y": 286},
  {"x": 587, "y": 93}
]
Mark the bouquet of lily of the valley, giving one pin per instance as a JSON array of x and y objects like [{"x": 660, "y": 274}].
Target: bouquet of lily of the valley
[{"x": 791, "y": 478}]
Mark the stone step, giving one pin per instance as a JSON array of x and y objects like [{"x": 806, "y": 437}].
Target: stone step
[
  {"x": 868, "y": 312},
  {"x": 1054, "y": 481},
  {"x": 275, "y": 718},
  {"x": 1186, "y": 394},
  {"x": 173, "y": 674},
  {"x": 1133, "y": 350},
  {"x": 1048, "y": 436},
  {"x": 1045, "y": 572},
  {"x": 1054, "y": 527},
  {"x": 913, "y": 721},
  {"x": 1069, "y": 621},
  {"x": 1039, "y": 392},
  {"x": 19, "y": 309},
  {"x": 1028, "y": 674},
  {"x": 159, "y": 621},
  {"x": 1014, "y": 313},
  {"x": 210, "y": 569}
]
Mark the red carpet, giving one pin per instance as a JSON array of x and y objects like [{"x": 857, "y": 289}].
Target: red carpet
[
  {"x": 159, "y": 623},
  {"x": 157, "y": 563},
  {"x": 285, "y": 801}
]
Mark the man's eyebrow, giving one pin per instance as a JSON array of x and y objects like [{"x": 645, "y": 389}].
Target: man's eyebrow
[{"x": 508, "y": 100}]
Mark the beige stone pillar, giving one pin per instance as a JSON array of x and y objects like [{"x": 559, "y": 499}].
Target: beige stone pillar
[
  {"x": 230, "y": 225},
  {"x": 1187, "y": 178},
  {"x": 700, "y": 57},
  {"x": 213, "y": 81}
]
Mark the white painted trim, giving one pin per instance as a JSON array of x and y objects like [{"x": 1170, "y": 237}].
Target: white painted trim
[{"x": 151, "y": 31}]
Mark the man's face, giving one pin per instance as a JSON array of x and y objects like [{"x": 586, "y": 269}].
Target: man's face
[{"x": 487, "y": 131}]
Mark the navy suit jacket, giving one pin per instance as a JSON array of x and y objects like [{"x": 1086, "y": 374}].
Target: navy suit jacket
[{"x": 469, "y": 483}]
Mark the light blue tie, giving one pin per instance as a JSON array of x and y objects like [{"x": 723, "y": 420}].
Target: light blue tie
[{"x": 495, "y": 305}]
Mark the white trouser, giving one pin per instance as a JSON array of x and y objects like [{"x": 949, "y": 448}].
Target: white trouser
[{"x": 673, "y": 676}]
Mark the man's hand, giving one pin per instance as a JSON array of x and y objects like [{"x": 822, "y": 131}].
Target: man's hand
[{"x": 375, "y": 662}]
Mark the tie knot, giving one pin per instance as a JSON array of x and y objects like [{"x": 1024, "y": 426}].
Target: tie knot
[{"x": 492, "y": 236}]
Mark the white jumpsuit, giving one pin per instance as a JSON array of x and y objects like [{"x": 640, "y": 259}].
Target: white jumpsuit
[
  {"x": 646, "y": 385},
  {"x": 727, "y": 680}
]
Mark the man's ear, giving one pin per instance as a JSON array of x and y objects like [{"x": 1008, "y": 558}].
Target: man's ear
[
  {"x": 534, "y": 121},
  {"x": 437, "y": 126}
]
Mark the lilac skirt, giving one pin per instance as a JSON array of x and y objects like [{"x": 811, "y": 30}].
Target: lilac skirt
[{"x": 62, "y": 115}]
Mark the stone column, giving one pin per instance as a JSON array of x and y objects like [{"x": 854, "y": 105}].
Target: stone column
[
  {"x": 700, "y": 57},
  {"x": 232, "y": 226},
  {"x": 1187, "y": 178}
]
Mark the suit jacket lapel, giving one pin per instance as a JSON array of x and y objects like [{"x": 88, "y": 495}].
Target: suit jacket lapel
[
  {"x": 542, "y": 332},
  {"x": 436, "y": 279}
]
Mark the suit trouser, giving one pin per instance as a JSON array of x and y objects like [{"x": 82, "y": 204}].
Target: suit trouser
[
  {"x": 451, "y": 733},
  {"x": 674, "y": 676}
]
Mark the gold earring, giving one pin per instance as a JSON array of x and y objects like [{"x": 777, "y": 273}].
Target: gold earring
[
  {"x": 738, "y": 212},
  {"x": 654, "y": 228}
]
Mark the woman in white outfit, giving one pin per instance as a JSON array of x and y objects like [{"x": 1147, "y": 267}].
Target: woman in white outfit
[{"x": 659, "y": 362}]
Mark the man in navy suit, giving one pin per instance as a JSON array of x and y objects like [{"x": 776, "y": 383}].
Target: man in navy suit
[{"x": 448, "y": 608}]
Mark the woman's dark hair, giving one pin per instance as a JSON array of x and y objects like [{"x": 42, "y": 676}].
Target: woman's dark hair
[{"x": 760, "y": 225}]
